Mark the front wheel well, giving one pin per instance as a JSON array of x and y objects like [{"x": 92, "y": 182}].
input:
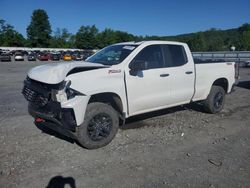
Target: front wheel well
[
  {"x": 109, "y": 98},
  {"x": 222, "y": 82}
]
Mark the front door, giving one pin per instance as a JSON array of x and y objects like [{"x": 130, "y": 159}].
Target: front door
[{"x": 148, "y": 89}]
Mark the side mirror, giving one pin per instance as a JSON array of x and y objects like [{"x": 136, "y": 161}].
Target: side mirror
[{"x": 138, "y": 65}]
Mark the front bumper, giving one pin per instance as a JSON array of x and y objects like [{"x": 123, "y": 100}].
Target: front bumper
[
  {"x": 50, "y": 113},
  {"x": 57, "y": 119},
  {"x": 63, "y": 117}
]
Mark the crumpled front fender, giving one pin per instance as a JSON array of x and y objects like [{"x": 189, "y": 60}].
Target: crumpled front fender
[{"x": 79, "y": 105}]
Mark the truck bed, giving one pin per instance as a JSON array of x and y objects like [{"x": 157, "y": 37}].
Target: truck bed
[
  {"x": 202, "y": 61},
  {"x": 207, "y": 72}
]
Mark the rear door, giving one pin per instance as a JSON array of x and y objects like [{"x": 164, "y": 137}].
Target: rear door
[{"x": 181, "y": 72}]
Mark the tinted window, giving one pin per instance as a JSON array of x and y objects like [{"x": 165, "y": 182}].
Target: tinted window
[
  {"x": 174, "y": 55},
  {"x": 152, "y": 55}
]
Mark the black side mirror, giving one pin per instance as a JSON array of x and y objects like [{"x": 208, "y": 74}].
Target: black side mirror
[{"x": 138, "y": 65}]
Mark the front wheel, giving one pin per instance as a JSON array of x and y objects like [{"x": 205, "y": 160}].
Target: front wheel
[
  {"x": 100, "y": 126},
  {"x": 215, "y": 100}
]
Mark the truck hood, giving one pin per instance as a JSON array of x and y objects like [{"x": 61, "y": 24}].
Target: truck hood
[{"x": 55, "y": 73}]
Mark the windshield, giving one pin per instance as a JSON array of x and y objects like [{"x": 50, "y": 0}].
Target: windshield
[{"x": 112, "y": 55}]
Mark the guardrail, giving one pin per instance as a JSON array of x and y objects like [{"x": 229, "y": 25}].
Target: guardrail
[{"x": 237, "y": 56}]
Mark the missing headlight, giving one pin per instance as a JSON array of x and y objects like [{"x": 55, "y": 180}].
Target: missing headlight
[
  {"x": 65, "y": 92},
  {"x": 71, "y": 93}
]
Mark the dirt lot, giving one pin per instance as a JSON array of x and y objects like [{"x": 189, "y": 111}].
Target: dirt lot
[{"x": 178, "y": 147}]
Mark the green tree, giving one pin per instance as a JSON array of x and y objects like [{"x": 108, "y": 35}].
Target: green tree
[
  {"x": 2, "y": 25},
  {"x": 244, "y": 37},
  {"x": 86, "y": 37},
  {"x": 245, "y": 40},
  {"x": 106, "y": 38},
  {"x": 72, "y": 41},
  {"x": 39, "y": 30},
  {"x": 197, "y": 42},
  {"x": 214, "y": 40},
  {"x": 60, "y": 39},
  {"x": 10, "y": 37},
  {"x": 123, "y": 36},
  {"x": 244, "y": 27},
  {"x": 216, "y": 44}
]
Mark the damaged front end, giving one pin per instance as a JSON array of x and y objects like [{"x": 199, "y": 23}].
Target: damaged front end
[{"x": 45, "y": 105}]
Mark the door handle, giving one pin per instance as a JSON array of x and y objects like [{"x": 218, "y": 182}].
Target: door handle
[
  {"x": 164, "y": 75},
  {"x": 189, "y": 72}
]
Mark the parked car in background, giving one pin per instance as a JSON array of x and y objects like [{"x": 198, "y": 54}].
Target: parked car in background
[
  {"x": 19, "y": 56},
  {"x": 25, "y": 53},
  {"x": 247, "y": 63},
  {"x": 37, "y": 52},
  {"x": 86, "y": 54},
  {"x": 5, "y": 57},
  {"x": 12, "y": 52},
  {"x": 244, "y": 64},
  {"x": 78, "y": 57},
  {"x": 55, "y": 57},
  {"x": 43, "y": 57},
  {"x": 5, "y": 51},
  {"x": 32, "y": 57},
  {"x": 67, "y": 57}
]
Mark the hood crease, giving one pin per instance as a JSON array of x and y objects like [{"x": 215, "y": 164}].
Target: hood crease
[{"x": 55, "y": 73}]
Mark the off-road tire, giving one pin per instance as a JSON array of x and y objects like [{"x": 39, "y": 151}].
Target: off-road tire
[
  {"x": 93, "y": 111},
  {"x": 215, "y": 100}
]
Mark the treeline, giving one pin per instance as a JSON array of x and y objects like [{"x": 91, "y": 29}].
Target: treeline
[{"x": 39, "y": 34}]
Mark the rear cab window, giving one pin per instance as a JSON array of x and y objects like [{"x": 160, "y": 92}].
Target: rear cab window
[{"x": 174, "y": 55}]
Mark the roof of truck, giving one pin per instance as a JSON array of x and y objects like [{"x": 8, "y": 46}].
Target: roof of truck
[{"x": 149, "y": 42}]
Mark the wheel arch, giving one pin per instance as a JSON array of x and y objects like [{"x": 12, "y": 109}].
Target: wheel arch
[
  {"x": 223, "y": 82},
  {"x": 109, "y": 98}
]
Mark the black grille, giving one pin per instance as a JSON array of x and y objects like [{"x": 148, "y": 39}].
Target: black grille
[{"x": 34, "y": 97}]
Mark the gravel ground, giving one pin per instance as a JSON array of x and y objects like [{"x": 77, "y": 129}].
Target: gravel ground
[{"x": 177, "y": 147}]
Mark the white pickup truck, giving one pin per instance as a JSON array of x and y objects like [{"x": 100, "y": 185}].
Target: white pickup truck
[{"x": 87, "y": 101}]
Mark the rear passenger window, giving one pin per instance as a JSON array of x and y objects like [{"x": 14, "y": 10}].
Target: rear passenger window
[
  {"x": 152, "y": 55},
  {"x": 174, "y": 55}
]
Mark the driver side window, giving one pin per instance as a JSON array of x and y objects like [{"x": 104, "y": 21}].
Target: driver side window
[{"x": 152, "y": 55}]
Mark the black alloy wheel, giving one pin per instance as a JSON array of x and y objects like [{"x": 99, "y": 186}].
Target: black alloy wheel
[
  {"x": 218, "y": 100},
  {"x": 99, "y": 127}
]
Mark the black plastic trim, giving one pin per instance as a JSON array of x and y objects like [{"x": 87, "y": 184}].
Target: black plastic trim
[{"x": 65, "y": 126}]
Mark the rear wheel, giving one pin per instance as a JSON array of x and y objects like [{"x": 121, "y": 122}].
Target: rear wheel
[
  {"x": 99, "y": 127},
  {"x": 215, "y": 100}
]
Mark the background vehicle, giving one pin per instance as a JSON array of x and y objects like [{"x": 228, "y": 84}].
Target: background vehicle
[
  {"x": 86, "y": 101},
  {"x": 86, "y": 54},
  {"x": 19, "y": 56},
  {"x": 78, "y": 57},
  {"x": 67, "y": 57},
  {"x": 245, "y": 64},
  {"x": 54, "y": 57},
  {"x": 5, "y": 57},
  {"x": 31, "y": 57},
  {"x": 43, "y": 57}
]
